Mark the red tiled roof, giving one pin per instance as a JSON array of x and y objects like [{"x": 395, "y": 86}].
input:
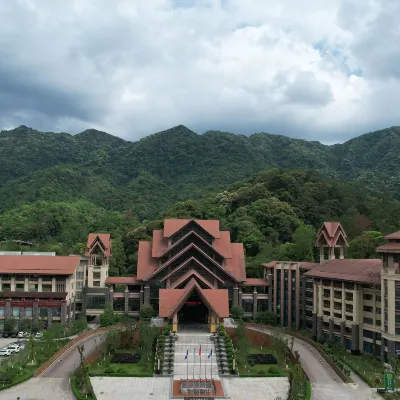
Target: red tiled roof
[
  {"x": 34, "y": 295},
  {"x": 395, "y": 235},
  {"x": 223, "y": 244},
  {"x": 171, "y": 299},
  {"x": 146, "y": 264},
  {"x": 218, "y": 300},
  {"x": 388, "y": 247},
  {"x": 331, "y": 232},
  {"x": 159, "y": 243},
  {"x": 105, "y": 239},
  {"x": 40, "y": 265},
  {"x": 308, "y": 265},
  {"x": 116, "y": 280},
  {"x": 367, "y": 270},
  {"x": 256, "y": 282},
  {"x": 236, "y": 265},
  {"x": 172, "y": 226}
]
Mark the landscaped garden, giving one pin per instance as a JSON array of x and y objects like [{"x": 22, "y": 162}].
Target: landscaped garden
[{"x": 21, "y": 366}]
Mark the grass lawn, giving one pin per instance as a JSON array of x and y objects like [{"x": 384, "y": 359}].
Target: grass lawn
[
  {"x": 264, "y": 369},
  {"x": 14, "y": 369},
  {"x": 103, "y": 366},
  {"x": 365, "y": 365}
]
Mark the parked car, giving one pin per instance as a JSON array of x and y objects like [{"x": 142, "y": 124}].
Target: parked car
[
  {"x": 39, "y": 335},
  {"x": 14, "y": 348},
  {"x": 21, "y": 345},
  {"x": 5, "y": 352},
  {"x": 5, "y": 334},
  {"x": 21, "y": 334},
  {"x": 14, "y": 334}
]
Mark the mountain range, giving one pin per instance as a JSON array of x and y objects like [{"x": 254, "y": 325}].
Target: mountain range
[{"x": 147, "y": 176}]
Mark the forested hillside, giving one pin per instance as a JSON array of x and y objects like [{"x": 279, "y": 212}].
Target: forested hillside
[{"x": 57, "y": 187}]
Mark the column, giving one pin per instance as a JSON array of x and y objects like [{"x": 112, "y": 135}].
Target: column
[
  {"x": 212, "y": 325},
  {"x": 321, "y": 255},
  {"x": 270, "y": 283},
  {"x": 146, "y": 294},
  {"x": 331, "y": 328},
  {"x": 314, "y": 326},
  {"x": 49, "y": 316},
  {"x": 303, "y": 302},
  {"x": 331, "y": 253},
  {"x": 341, "y": 256},
  {"x": 240, "y": 297},
  {"x": 141, "y": 296},
  {"x": 391, "y": 349},
  {"x": 40, "y": 287},
  {"x": 7, "y": 310},
  {"x": 64, "y": 313},
  {"x": 319, "y": 326},
  {"x": 26, "y": 285},
  {"x": 126, "y": 304},
  {"x": 21, "y": 313},
  {"x": 320, "y": 303},
  {"x": 255, "y": 302},
  {"x": 342, "y": 333},
  {"x": 355, "y": 338},
  {"x": 35, "y": 312},
  {"x": 53, "y": 284},
  {"x": 356, "y": 304},
  {"x": 343, "y": 302},
  {"x": 235, "y": 298},
  {"x": 175, "y": 322},
  {"x": 374, "y": 344},
  {"x": 111, "y": 297}
]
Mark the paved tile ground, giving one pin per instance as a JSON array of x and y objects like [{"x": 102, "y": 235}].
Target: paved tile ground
[
  {"x": 106, "y": 388},
  {"x": 40, "y": 389},
  {"x": 256, "y": 388},
  {"x": 191, "y": 342}
]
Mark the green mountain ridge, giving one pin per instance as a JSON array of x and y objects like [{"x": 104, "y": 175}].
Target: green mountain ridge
[{"x": 148, "y": 176}]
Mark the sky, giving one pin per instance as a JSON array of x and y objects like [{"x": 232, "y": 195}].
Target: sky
[{"x": 325, "y": 70}]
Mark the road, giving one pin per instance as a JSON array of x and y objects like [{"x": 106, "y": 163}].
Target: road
[
  {"x": 54, "y": 382},
  {"x": 326, "y": 385}
]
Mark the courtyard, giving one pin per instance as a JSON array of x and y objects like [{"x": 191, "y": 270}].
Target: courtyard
[{"x": 109, "y": 388}]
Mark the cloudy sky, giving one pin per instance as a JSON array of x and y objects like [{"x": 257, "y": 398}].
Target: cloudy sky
[{"x": 323, "y": 70}]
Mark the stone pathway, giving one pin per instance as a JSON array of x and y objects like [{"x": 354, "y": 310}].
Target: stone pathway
[{"x": 191, "y": 366}]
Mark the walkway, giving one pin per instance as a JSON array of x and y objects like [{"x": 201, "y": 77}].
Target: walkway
[
  {"x": 326, "y": 385},
  {"x": 54, "y": 382},
  {"x": 191, "y": 366}
]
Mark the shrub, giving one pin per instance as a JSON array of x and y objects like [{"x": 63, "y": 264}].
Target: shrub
[
  {"x": 166, "y": 331},
  {"x": 146, "y": 312},
  {"x": 109, "y": 370},
  {"x": 273, "y": 370},
  {"x": 267, "y": 318},
  {"x": 237, "y": 312}
]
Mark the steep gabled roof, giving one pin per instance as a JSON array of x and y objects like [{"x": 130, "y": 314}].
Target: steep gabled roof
[
  {"x": 172, "y": 299},
  {"x": 330, "y": 233},
  {"x": 171, "y": 226},
  {"x": 105, "y": 239}
]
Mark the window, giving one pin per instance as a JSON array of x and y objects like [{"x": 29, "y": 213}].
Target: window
[
  {"x": 367, "y": 334},
  {"x": 96, "y": 302},
  {"x": 79, "y": 275},
  {"x": 1, "y": 311},
  {"x": 327, "y": 293},
  {"x": 19, "y": 287},
  {"x": 368, "y": 321},
  {"x": 96, "y": 284},
  {"x": 248, "y": 305},
  {"x": 349, "y": 296},
  {"x": 368, "y": 296},
  {"x": 96, "y": 275},
  {"x": 349, "y": 308},
  {"x": 79, "y": 285},
  {"x": 56, "y": 312},
  {"x": 119, "y": 304},
  {"x": 367, "y": 308},
  {"x": 28, "y": 311},
  {"x": 15, "y": 311},
  {"x": 133, "y": 304},
  {"x": 262, "y": 305}
]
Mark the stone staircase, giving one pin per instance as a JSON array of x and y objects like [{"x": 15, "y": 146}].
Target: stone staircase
[
  {"x": 191, "y": 342},
  {"x": 169, "y": 351},
  {"x": 222, "y": 359}
]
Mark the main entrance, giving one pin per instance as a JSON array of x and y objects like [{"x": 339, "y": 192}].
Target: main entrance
[{"x": 193, "y": 311}]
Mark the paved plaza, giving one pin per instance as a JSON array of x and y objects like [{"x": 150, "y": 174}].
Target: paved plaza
[{"x": 107, "y": 388}]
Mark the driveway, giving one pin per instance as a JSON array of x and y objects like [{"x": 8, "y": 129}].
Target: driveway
[
  {"x": 326, "y": 385},
  {"x": 54, "y": 382}
]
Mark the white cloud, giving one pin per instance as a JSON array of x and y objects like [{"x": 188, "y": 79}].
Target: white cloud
[{"x": 320, "y": 70}]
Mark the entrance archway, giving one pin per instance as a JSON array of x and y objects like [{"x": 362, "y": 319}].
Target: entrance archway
[{"x": 193, "y": 311}]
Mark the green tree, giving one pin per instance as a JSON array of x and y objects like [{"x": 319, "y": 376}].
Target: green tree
[
  {"x": 237, "y": 312},
  {"x": 107, "y": 318},
  {"x": 10, "y": 325},
  {"x": 364, "y": 246},
  {"x": 146, "y": 312},
  {"x": 304, "y": 240},
  {"x": 267, "y": 318},
  {"x": 25, "y": 325}
]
